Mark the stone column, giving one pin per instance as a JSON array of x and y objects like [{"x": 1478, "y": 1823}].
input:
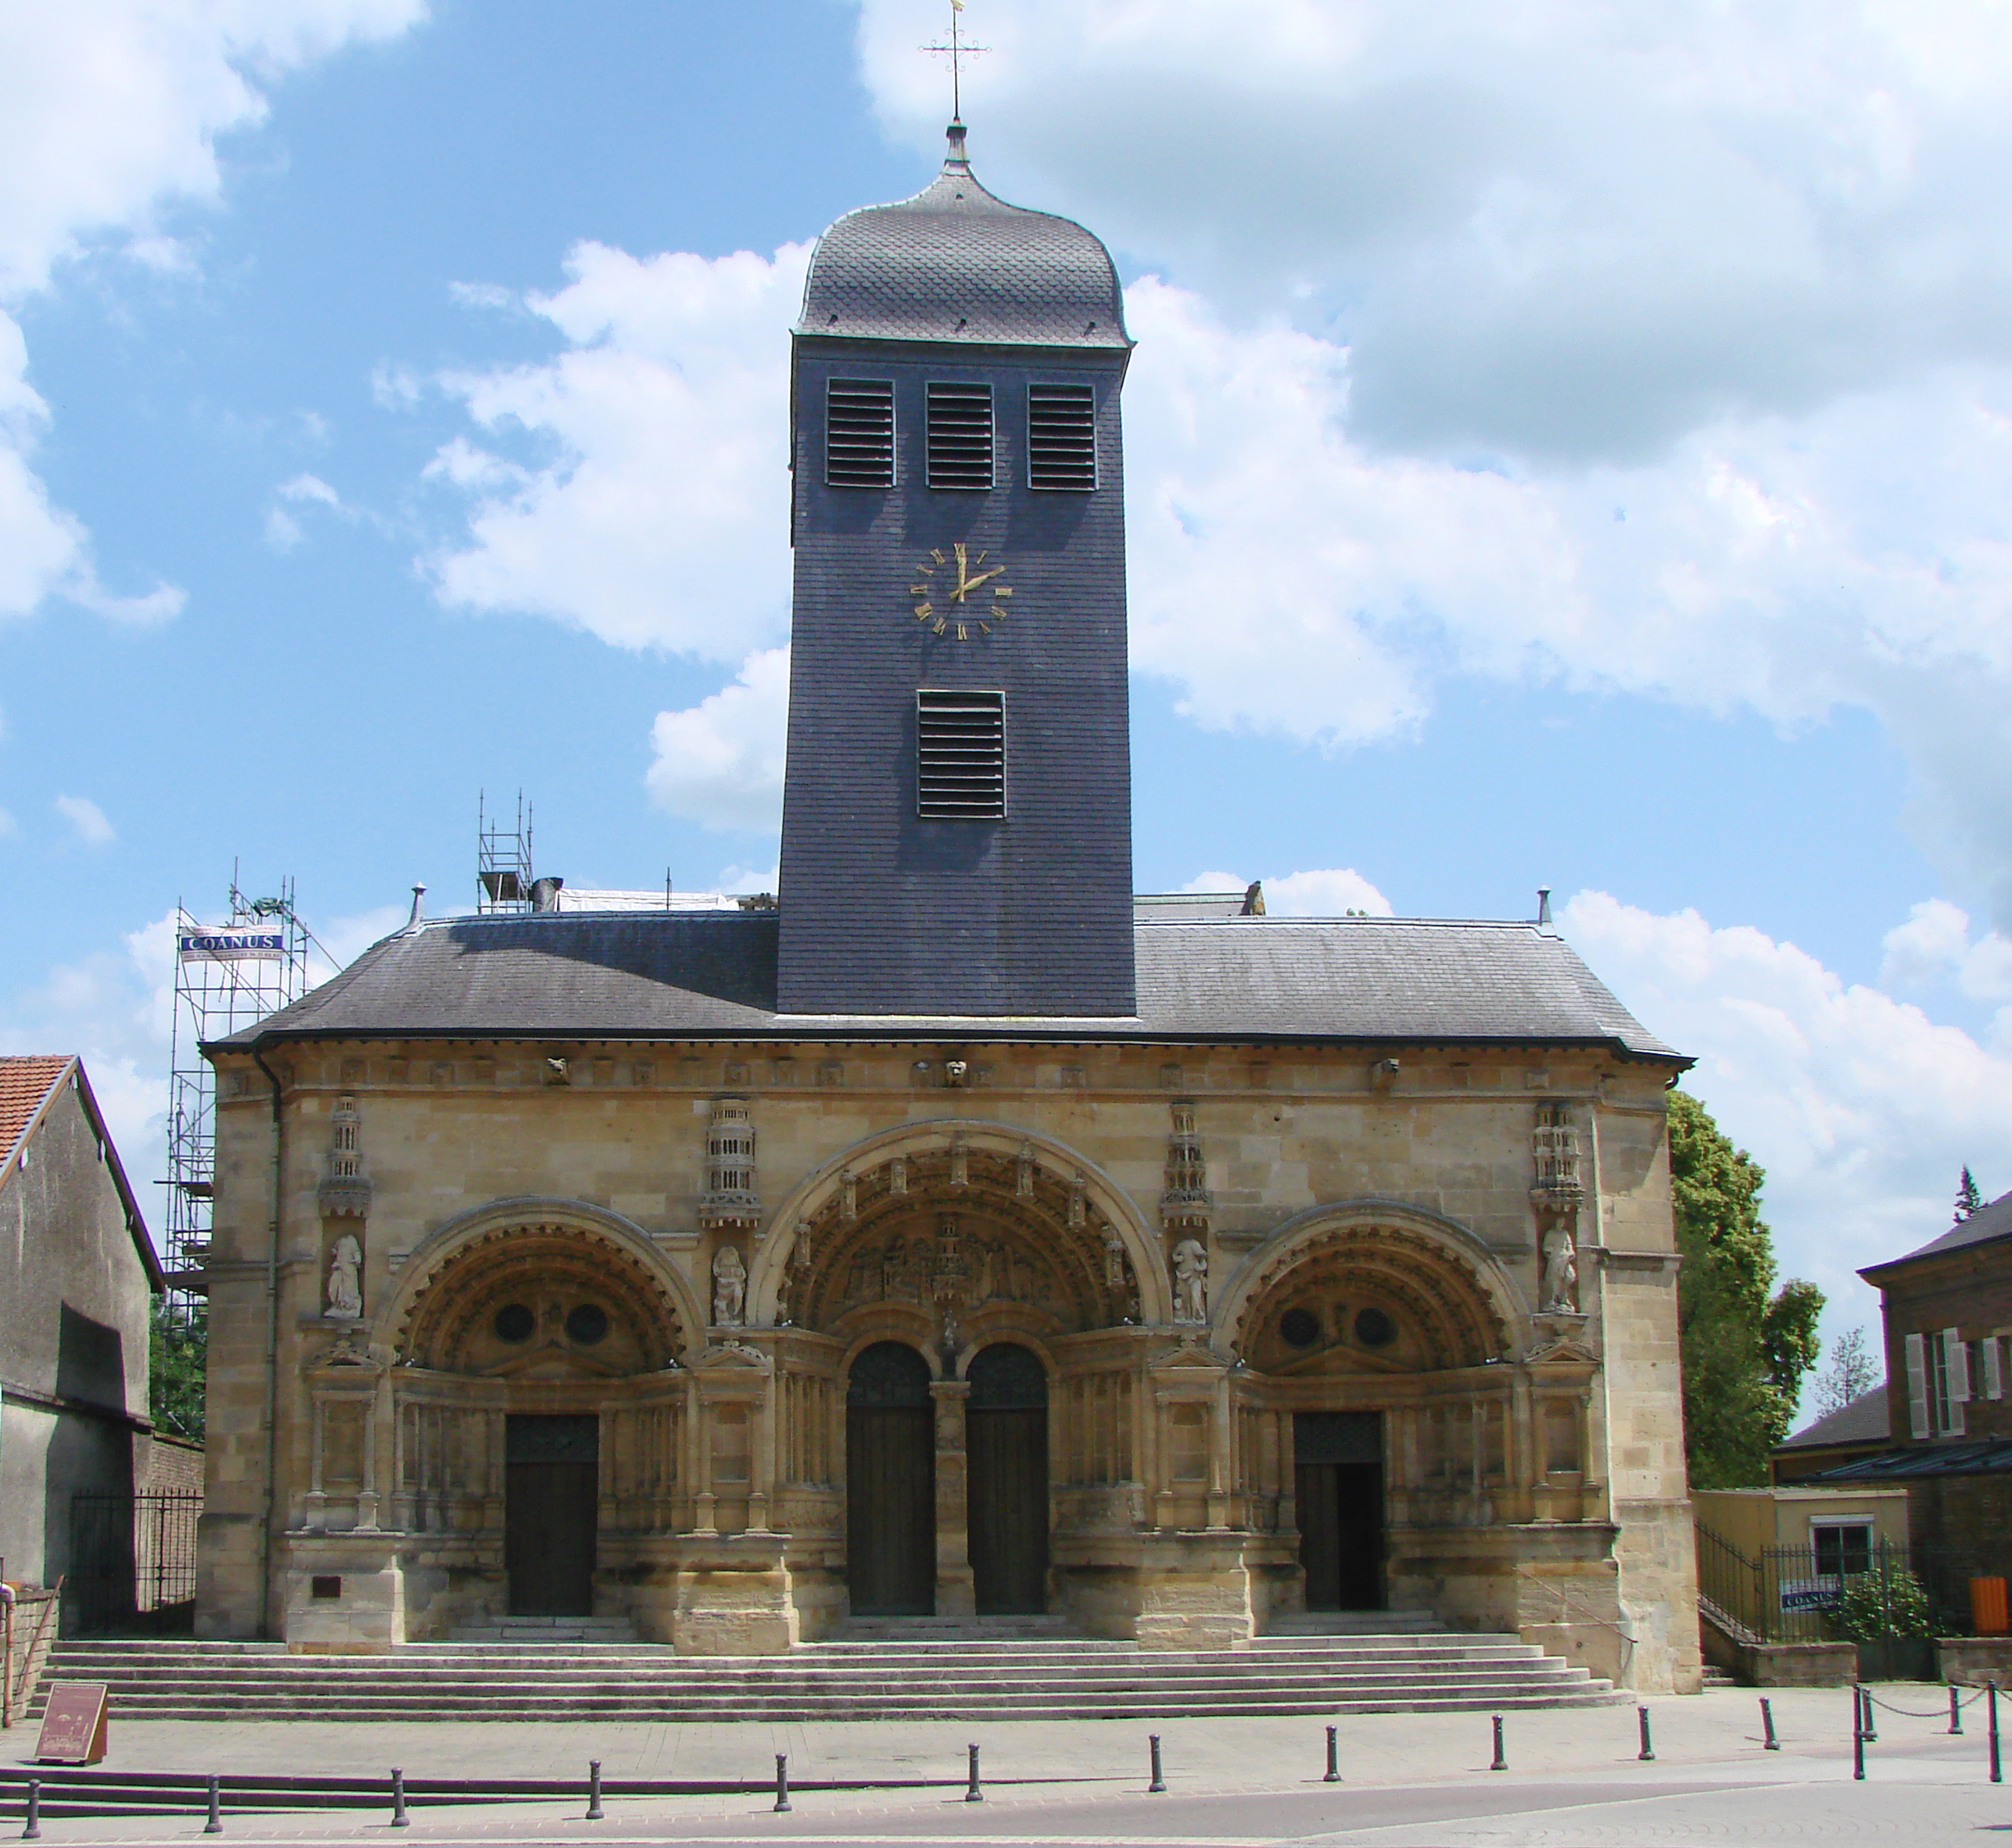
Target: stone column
[{"x": 956, "y": 1596}]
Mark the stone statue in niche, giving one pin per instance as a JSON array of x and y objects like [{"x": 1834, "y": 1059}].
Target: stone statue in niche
[
  {"x": 729, "y": 1288},
  {"x": 1560, "y": 1291},
  {"x": 1190, "y": 1281},
  {"x": 346, "y": 1279}
]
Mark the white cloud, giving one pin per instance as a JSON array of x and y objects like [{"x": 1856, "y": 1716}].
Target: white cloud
[
  {"x": 1861, "y": 1108},
  {"x": 109, "y": 110},
  {"x": 1324, "y": 892},
  {"x": 720, "y": 761},
  {"x": 649, "y": 505},
  {"x": 87, "y": 819}
]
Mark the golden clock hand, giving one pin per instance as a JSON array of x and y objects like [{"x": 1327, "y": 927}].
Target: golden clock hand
[{"x": 964, "y": 582}]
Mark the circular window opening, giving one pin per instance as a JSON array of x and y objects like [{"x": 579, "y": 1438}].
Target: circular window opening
[
  {"x": 1374, "y": 1329},
  {"x": 587, "y": 1323},
  {"x": 515, "y": 1322},
  {"x": 1301, "y": 1327}
]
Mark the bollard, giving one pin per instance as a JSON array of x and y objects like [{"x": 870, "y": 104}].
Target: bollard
[
  {"x": 1768, "y": 1742},
  {"x": 1646, "y": 1755},
  {"x": 1501, "y": 1763},
  {"x": 1956, "y": 1712},
  {"x": 782, "y": 1782},
  {"x": 1334, "y": 1759},
  {"x": 399, "y": 1819},
  {"x": 33, "y": 1832},
  {"x": 1990, "y": 1708},
  {"x": 972, "y": 1794},
  {"x": 215, "y": 1826},
  {"x": 593, "y": 1790},
  {"x": 1160, "y": 1782},
  {"x": 1857, "y": 1733}
]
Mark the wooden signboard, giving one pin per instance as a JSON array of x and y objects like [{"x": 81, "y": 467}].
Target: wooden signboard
[{"x": 73, "y": 1722}]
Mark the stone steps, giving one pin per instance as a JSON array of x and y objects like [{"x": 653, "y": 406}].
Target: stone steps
[{"x": 1049, "y": 1676}]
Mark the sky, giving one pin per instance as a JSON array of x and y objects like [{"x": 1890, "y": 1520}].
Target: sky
[{"x": 1567, "y": 446}]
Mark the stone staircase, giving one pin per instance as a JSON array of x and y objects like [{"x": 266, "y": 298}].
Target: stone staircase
[{"x": 884, "y": 1669}]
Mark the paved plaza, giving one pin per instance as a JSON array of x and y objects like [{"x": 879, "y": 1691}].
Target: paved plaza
[{"x": 1408, "y": 1781}]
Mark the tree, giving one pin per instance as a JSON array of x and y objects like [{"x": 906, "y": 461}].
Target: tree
[
  {"x": 1851, "y": 1372},
  {"x": 1745, "y": 1346},
  {"x": 1968, "y": 1199},
  {"x": 176, "y": 1359}
]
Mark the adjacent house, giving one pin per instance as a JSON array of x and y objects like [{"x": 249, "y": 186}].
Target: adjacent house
[
  {"x": 77, "y": 1277},
  {"x": 1947, "y": 1311},
  {"x": 1862, "y": 1429}
]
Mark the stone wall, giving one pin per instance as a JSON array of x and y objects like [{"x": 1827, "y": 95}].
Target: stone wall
[{"x": 1562, "y": 1513}]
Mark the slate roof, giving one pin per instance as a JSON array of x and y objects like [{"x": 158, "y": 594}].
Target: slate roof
[
  {"x": 1865, "y": 1421},
  {"x": 956, "y": 263},
  {"x": 713, "y": 976},
  {"x": 1990, "y": 1221},
  {"x": 1988, "y": 1457}
]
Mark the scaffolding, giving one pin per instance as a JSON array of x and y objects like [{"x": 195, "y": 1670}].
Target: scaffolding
[
  {"x": 227, "y": 976},
  {"x": 502, "y": 861}
]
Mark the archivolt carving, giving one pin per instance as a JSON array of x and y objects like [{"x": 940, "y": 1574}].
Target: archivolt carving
[
  {"x": 1306, "y": 1310},
  {"x": 561, "y": 1274},
  {"x": 954, "y": 1230}
]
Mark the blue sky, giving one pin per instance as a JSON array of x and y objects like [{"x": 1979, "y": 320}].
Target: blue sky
[{"x": 1564, "y": 450}]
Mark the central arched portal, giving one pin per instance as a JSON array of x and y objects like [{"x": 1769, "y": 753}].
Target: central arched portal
[
  {"x": 1006, "y": 1434},
  {"x": 890, "y": 1483}
]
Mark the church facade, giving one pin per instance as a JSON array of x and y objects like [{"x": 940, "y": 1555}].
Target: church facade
[{"x": 958, "y": 1234}]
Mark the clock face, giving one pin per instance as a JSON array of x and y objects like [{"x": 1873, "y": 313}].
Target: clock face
[{"x": 958, "y": 595}]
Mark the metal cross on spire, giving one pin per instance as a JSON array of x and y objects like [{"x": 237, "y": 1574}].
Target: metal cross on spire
[{"x": 957, "y": 51}]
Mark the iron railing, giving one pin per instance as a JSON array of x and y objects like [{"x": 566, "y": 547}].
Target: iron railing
[
  {"x": 132, "y": 1560},
  {"x": 1791, "y": 1594}
]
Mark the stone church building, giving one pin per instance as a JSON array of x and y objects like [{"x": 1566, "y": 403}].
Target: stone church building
[{"x": 960, "y": 1234}]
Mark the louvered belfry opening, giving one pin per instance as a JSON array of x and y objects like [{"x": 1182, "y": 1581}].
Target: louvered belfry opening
[
  {"x": 960, "y": 435},
  {"x": 959, "y": 755},
  {"x": 859, "y": 433},
  {"x": 1062, "y": 436}
]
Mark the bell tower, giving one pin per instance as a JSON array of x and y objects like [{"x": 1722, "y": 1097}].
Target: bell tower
[{"x": 956, "y": 825}]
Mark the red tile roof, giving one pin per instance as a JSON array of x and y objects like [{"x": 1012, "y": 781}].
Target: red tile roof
[{"x": 25, "y": 1084}]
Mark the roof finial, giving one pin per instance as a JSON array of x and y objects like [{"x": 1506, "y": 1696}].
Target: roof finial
[{"x": 957, "y": 51}]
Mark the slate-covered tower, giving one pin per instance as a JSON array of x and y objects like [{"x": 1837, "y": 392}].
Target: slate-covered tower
[{"x": 956, "y": 823}]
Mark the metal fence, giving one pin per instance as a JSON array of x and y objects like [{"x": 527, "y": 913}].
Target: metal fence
[
  {"x": 1796, "y": 1593},
  {"x": 132, "y": 1561}
]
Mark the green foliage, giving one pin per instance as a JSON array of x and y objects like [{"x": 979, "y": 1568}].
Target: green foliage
[
  {"x": 1968, "y": 1196},
  {"x": 1888, "y": 1600},
  {"x": 175, "y": 1358},
  {"x": 1746, "y": 1351}
]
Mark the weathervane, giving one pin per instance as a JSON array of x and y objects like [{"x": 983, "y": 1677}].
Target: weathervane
[{"x": 957, "y": 51}]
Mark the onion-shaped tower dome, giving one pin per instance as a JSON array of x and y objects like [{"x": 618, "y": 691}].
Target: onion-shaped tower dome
[{"x": 955, "y": 263}]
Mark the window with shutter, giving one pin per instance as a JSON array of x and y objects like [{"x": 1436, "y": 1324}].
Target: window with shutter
[
  {"x": 960, "y": 436},
  {"x": 1061, "y": 437},
  {"x": 959, "y": 755},
  {"x": 1917, "y": 1385},
  {"x": 1955, "y": 1375},
  {"x": 859, "y": 433}
]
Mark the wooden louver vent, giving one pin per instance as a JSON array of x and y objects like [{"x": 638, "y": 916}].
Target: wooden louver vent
[
  {"x": 1062, "y": 436},
  {"x": 960, "y": 756},
  {"x": 859, "y": 433},
  {"x": 960, "y": 436}
]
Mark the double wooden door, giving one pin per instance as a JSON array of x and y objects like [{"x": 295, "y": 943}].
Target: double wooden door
[
  {"x": 551, "y": 1501},
  {"x": 890, "y": 1484},
  {"x": 1339, "y": 1484},
  {"x": 1006, "y": 1438}
]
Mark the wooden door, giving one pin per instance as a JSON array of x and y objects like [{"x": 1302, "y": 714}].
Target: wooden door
[
  {"x": 1006, "y": 1436},
  {"x": 890, "y": 1484},
  {"x": 1339, "y": 1484},
  {"x": 551, "y": 1500}
]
